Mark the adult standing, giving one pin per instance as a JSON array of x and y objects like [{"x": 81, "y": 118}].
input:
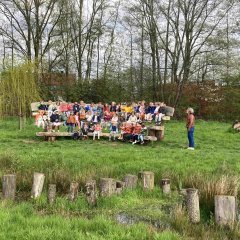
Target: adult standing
[{"x": 190, "y": 128}]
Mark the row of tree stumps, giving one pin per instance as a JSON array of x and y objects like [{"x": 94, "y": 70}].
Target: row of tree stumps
[{"x": 225, "y": 206}]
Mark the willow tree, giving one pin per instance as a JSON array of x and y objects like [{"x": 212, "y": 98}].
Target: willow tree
[{"x": 17, "y": 90}]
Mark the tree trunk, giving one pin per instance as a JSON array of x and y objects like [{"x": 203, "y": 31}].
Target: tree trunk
[
  {"x": 193, "y": 205},
  {"x": 130, "y": 181},
  {"x": 107, "y": 187},
  {"x": 148, "y": 180},
  {"x": 91, "y": 192},
  {"x": 51, "y": 193},
  {"x": 166, "y": 186},
  {"x": 37, "y": 187},
  {"x": 225, "y": 210},
  {"x": 9, "y": 186},
  {"x": 73, "y": 192}
]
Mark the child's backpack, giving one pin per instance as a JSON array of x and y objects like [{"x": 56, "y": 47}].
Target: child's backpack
[{"x": 77, "y": 135}]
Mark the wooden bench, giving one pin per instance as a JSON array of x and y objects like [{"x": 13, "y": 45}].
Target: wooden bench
[{"x": 51, "y": 136}]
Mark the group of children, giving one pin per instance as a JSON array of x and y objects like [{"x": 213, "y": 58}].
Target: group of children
[{"x": 125, "y": 120}]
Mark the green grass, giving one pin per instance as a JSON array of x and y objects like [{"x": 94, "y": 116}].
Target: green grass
[{"x": 215, "y": 161}]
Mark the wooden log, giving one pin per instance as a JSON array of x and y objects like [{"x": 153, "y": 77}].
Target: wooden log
[
  {"x": 193, "y": 205},
  {"x": 119, "y": 187},
  {"x": 52, "y": 193},
  {"x": 159, "y": 134},
  {"x": 151, "y": 132},
  {"x": 73, "y": 192},
  {"x": 107, "y": 187},
  {"x": 225, "y": 210},
  {"x": 148, "y": 180},
  {"x": 130, "y": 181},
  {"x": 9, "y": 186},
  {"x": 91, "y": 192},
  {"x": 165, "y": 183},
  {"x": 38, "y": 181}
]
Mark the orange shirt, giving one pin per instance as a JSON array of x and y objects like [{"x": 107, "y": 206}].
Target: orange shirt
[
  {"x": 71, "y": 119},
  {"x": 137, "y": 129}
]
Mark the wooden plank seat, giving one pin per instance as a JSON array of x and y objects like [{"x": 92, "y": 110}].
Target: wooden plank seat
[{"x": 51, "y": 136}]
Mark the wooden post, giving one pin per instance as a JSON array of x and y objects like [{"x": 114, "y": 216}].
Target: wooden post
[
  {"x": 156, "y": 131},
  {"x": 159, "y": 134},
  {"x": 193, "y": 205},
  {"x": 51, "y": 193},
  {"x": 73, "y": 192},
  {"x": 130, "y": 181},
  {"x": 165, "y": 183},
  {"x": 107, "y": 187},
  {"x": 148, "y": 180},
  {"x": 119, "y": 187},
  {"x": 225, "y": 210},
  {"x": 38, "y": 181},
  {"x": 140, "y": 175},
  {"x": 91, "y": 192},
  {"x": 9, "y": 186}
]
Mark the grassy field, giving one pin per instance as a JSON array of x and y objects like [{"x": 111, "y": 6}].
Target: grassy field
[{"x": 213, "y": 168}]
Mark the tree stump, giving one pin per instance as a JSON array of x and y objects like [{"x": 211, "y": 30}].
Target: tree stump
[
  {"x": 130, "y": 181},
  {"x": 73, "y": 192},
  {"x": 9, "y": 186},
  {"x": 119, "y": 187},
  {"x": 51, "y": 193},
  {"x": 193, "y": 205},
  {"x": 148, "y": 180},
  {"x": 225, "y": 210},
  {"x": 107, "y": 187},
  {"x": 91, "y": 192},
  {"x": 38, "y": 181},
  {"x": 156, "y": 131},
  {"x": 165, "y": 183}
]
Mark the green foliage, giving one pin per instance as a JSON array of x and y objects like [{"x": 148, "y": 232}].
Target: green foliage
[{"x": 18, "y": 89}]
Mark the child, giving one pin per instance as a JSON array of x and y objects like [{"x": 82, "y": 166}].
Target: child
[
  {"x": 55, "y": 120},
  {"x": 85, "y": 130},
  {"x": 113, "y": 128},
  {"x": 122, "y": 130},
  {"x": 136, "y": 132},
  {"x": 158, "y": 118},
  {"x": 71, "y": 121},
  {"x": 77, "y": 117},
  {"x": 97, "y": 131},
  {"x": 127, "y": 135}
]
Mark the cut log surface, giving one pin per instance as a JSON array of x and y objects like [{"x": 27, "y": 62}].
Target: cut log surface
[
  {"x": 38, "y": 181},
  {"x": 157, "y": 128},
  {"x": 107, "y": 187},
  {"x": 193, "y": 205},
  {"x": 130, "y": 181},
  {"x": 166, "y": 118},
  {"x": 148, "y": 180},
  {"x": 225, "y": 210},
  {"x": 9, "y": 186}
]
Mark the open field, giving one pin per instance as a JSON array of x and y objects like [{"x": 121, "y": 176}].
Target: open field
[{"x": 213, "y": 168}]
